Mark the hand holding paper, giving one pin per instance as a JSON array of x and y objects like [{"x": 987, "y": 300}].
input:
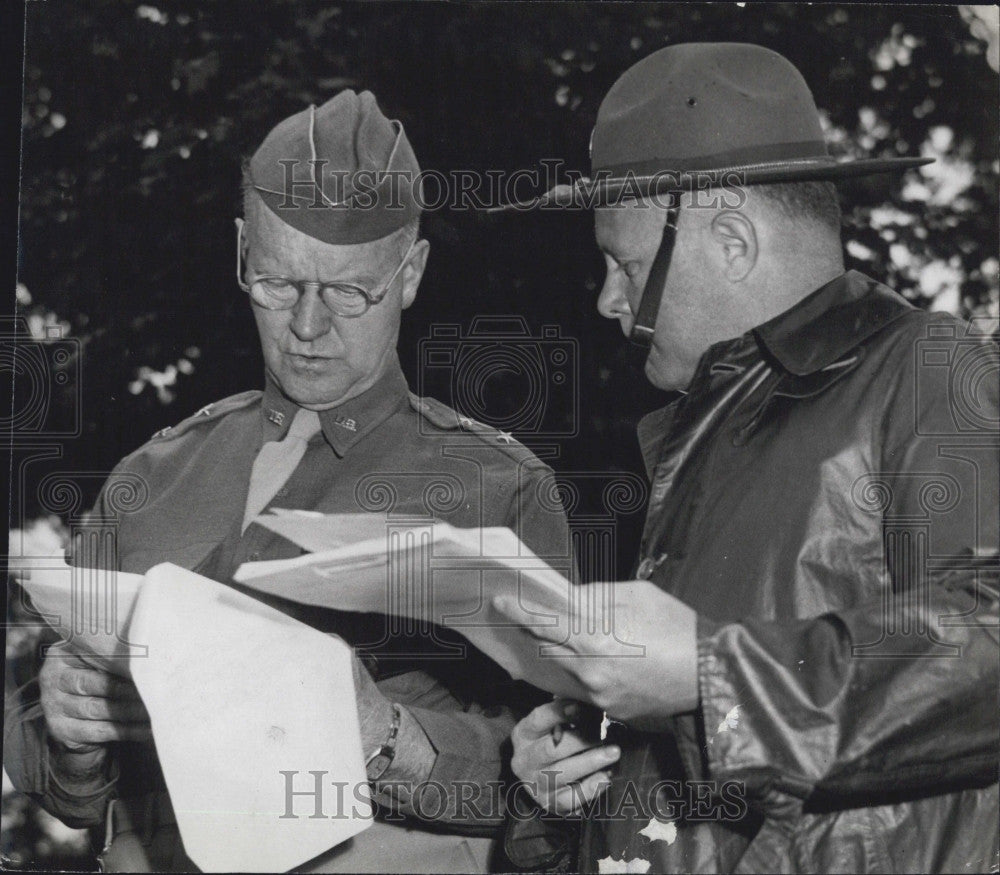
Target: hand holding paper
[
  {"x": 432, "y": 573},
  {"x": 628, "y": 647},
  {"x": 238, "y": 694},
  {"x": 633, "y": 648},
  {"x": 86, "y": 707}
]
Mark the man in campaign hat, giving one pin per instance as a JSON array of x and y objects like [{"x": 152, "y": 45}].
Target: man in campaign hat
[
  {"x": 329, "y": 255},
  {"x": 803, "y": 673}
]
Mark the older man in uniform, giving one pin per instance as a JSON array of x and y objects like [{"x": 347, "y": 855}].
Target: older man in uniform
[
  {"x": 329, "y": 256},
  {"x": 817, "y": 583}
]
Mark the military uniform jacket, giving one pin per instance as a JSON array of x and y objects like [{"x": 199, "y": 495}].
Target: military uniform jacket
[{"x": 180, "y": 498}]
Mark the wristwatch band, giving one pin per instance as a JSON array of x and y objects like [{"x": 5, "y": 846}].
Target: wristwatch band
[{"x": 378, "y": 763}]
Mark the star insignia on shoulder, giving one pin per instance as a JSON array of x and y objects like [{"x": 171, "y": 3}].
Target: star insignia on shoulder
[
  {"x": 205, "y": 411},
  {"x": 505, "y": 436}
]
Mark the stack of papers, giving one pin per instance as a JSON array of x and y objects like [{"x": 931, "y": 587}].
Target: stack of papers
[
  {"x": 238, "y": 695},
  {"x": 432, "y": 573}
]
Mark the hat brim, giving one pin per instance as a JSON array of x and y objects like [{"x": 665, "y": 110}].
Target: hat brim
[{"x": 609, "y": 191}]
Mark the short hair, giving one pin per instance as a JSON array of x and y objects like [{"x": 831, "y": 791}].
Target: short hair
[
  {"x": 252, "y": 200},
  {"x": 816, "y": 202}
]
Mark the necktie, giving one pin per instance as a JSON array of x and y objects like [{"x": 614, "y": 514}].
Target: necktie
[{"x": 276, "y": 461}]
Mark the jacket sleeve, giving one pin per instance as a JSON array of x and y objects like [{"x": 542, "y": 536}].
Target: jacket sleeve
[
  {"x": 34, "y": 769},
  {"x": 464, "y": 790},
  {"x": 77, "y": 800},
  {"x": 894, "y": 696},
  {"x": 468, "y": 707}
]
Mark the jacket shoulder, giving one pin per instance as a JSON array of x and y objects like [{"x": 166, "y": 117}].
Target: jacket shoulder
[
  {"x": 923, "y": 339},
  {"x": 443, "y": 418},
  {"x": 210, "y": 413},
  {"x": 159, "y": 456}
]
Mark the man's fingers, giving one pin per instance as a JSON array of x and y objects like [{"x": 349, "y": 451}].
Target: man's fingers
[
  {"x": 91, "y": 682},
  {"x": 112, "y": 710},
  {"x": 570, "y": 799},
  {"x": 577, "y": 767},
  {"x": 543, "y": 719},
  {"x": 544, "y": 755},
  {"x": 571, "y": 742},
  {"x": 74, "y": 731},
  {"x": 533, "y": 619},
  {"x": 554, "y": 787}
]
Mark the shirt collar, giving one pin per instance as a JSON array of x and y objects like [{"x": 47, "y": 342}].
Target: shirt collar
[
  {"x": 830, "y": 322},
  {"x": 346, "y": 424}
]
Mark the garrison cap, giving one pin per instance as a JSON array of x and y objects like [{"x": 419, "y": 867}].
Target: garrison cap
[{"x": 341, "y": 173}]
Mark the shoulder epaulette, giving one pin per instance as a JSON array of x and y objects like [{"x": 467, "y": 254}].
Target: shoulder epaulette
[
  {"x": 442, "y": 416},
  {"x": 209, "y": 413}
]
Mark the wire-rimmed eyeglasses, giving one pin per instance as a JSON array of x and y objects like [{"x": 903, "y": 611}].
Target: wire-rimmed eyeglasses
[{"x": 275, "y": 292}]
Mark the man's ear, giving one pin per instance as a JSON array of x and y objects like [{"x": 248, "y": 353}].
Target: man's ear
[
  {"x": 737, "y": 238},
  {"x": 414, "y": 271}
]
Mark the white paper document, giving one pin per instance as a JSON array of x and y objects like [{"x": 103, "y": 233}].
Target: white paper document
[
  {"x": 434, "y": 573},
  {"x": 314, "y": 531},
  {"x": 245, "y": 703},
  {"x": 91, "y": 607},
  {"x": 239, "y": 695}
]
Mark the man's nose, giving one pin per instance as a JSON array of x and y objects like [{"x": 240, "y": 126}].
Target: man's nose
[
  {"x": 612, "y": 302},
  {"x": 311, "y": 318}
]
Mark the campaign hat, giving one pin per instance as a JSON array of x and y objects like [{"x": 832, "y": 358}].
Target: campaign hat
[{"x": 704, "y": 115}]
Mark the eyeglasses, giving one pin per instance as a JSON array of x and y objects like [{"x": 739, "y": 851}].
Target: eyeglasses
[{"x": 274, "y": 292}]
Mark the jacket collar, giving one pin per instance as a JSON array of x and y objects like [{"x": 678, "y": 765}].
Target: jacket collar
[
  {"x": 811, "y": 335},
  {"x": 830, "y": 322},
  {"x": 346, "y": 424}
]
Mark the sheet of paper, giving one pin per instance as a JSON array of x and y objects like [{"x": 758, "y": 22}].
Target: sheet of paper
[
  {"x": 90, "y": 607},
  {"x": 239, "y": 694},
  {"x": 314, "y": 531},
  {"x": 448, "y": 577}
]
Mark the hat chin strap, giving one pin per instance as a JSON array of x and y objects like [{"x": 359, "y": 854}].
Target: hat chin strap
[{"x": 649, "y": 305}]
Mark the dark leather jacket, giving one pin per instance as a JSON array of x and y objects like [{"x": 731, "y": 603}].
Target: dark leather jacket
[{"x": 825, "y": 496}]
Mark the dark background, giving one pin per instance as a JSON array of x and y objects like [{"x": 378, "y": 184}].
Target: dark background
[{"x": 136, "y": 117}]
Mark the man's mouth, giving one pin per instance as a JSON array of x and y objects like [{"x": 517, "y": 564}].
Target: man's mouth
[{"x": 308, "y": 361}]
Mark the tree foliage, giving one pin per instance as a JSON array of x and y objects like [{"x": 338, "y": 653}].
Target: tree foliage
[{"x": 136, "y": 117}]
